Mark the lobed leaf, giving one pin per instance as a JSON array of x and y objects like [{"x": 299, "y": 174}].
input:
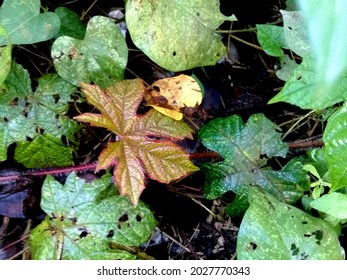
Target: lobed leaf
[
  {"x": 81, "y": 223},
  {"x": 246, "y": 149},
  {"x": 36, "y": 121},
  {"x": 144, "y": 145}
]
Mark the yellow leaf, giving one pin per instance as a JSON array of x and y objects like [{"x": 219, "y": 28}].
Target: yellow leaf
[{"x": 169, "y": 96}]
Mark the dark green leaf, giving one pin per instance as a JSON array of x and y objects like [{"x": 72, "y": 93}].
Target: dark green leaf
[
  {"x": 246, "y": 150},
  {"x": 70, "y": 24}
]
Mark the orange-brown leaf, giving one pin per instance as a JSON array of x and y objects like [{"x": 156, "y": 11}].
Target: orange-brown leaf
[{"x": 145, "y": 141}]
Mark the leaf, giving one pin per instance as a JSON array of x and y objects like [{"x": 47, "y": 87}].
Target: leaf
[
  {"x": 335, "y": 148},
  {"x": 246, "y": 150},
  {"x": 304, "y": 90},
  {"x": 44, "y": 151},
  {"x": 144, "y": 145},
  {"x": 287, "y": 68},
  {"x": 295, "y": 33},
  {"x": 271, "y": 38},
  {"x": 39, "y": 117},
  {"x": 77, "y": 226},
  {"x": 100, "y": 57},
  {"x": 333, "y": 204},
  {"x": 70, "y": 24},
  {"x": 326, "y": 25},
  {"x": 169, "y": 96},
  {"x": 24, "y": 23},
  {"x": 5, "y": 56},
  {"x": 272, "y": 230},
  {"x": 177, "y": 35}
]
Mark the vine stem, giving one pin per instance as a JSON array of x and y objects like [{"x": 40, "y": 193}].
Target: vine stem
[{"x": 11, "y": 176}]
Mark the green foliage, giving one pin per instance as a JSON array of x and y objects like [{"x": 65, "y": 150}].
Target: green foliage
[
  {"x": 81, "y": 223},
  {"x": 38, "y": 125},
  {"x": 5, "y": 56},
  {"x": 100, "y": 57},
  {"x": 246, "y": 148},
  {"x": 145, "y": 142},
  {"x": 335, "y": 148},
  {"x": 70, "y": 24},
  {"x": 273, "y": 230},
  {"x": 175, "y": 34},
  {"x": 24, "y": 23}
]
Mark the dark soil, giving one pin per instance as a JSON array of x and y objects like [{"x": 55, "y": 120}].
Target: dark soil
[{"x": 187, "y": 229}]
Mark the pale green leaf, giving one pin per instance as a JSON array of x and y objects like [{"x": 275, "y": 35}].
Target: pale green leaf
[
  {"x": 304, "y": 90},
  {"x": 177, "y": 35},
  {"x": 295, "y": 32},
  {"x": 335, "y": 148},
  {"x": 326, "y": 25},
  {"x": 333, "y": 204},
  {"x": 100, "y": 57},
  {"x": 287, "y": 68},
  {"x": 81, "y": 226},
  {"x": 5, "y": 56},
  {"x": 272, "y": 230},
  {"x": 25, "y": 24}
]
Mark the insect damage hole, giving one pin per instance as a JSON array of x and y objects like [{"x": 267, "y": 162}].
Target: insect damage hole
[{"x": 110, "y": 234}]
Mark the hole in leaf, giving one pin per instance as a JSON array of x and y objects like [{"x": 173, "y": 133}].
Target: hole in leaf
[
  {"x": 138, "y": 218},
  {"x": 299, "y": 78},
  {"x": 290, "y": 28},
  {"x": 119, "y": 225},
  {"x": 5, "y": 119},
  {"x": 56, "y": 98},
  {"x": 73, "y": 220},
  {"x": 110, "y": 234},
  {"x": 174, "y": 53},
  {"x": 123, "y": 218},
  {"x": 156, "y": 88},
  {"x": 263, "y": 156},
  {"x": 304, "y": 222},
  {"x": 28, "y": 138},
  {"x": 83, "y": 234},
  {"x": 252, "y": 246}
]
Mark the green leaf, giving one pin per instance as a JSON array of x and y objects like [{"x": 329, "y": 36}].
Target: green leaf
[
  {"x": 5, "y": 56},
  {"x": 79, "y": 227},
  {"x": 304, "y": 90},
  {"x": 177, "y": 35},
  {"x": 335, "y": 148},
  {"x": 43, "y": 151},
  {"x": 100, "y": 57},
  {"x": 287, "y": 68},
  {"x": 17, "y": 84},
  {"x": 39, "y": 117},
  {"x": 271, "y": 38},
  {"x": 326, "y": 25},
  {"x": 333, "y": 204},
  {"x": 145, "y": 141},
  {"x": 70, "y": 24},
  {"x": 295, "y": 33},
  {"x": 25, "y": 24},
  {"x": 246, "y": 150},
  {"x": 272, "y": 230}
]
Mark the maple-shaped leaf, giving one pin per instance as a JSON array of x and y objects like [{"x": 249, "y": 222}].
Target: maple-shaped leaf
[{"x": 144, "y": 143}]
